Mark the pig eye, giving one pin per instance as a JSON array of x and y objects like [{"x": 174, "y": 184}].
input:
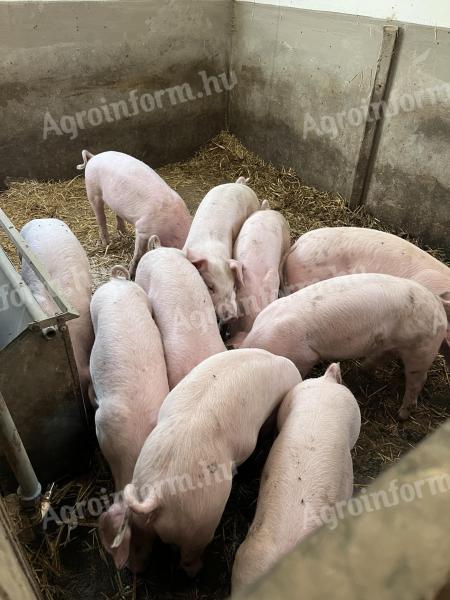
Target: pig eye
[{"x": 210, "y": 288}]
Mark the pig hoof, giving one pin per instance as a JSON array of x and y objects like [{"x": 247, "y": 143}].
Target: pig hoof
[
  {"x": 404, "y": 414},
  {"x": 191, "y": 569}
]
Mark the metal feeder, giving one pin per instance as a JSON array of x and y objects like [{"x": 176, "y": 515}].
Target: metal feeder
[{"x": 38, "y": 374}]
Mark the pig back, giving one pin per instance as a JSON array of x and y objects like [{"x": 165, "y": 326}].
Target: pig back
[
  {"x": 229, "y": 396},
  {"x": 221, "y": 214},
  {"x": 182, "y": 309},
  {"x": 127, "y": 355},
  {"x": 334, "y": 251}
]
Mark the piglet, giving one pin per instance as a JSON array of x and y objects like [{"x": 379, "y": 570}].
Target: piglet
[
  {"x": 209, "y": 245},
  {"x": 333, "y": 251},
  {"x": 365, "y": 315},
  {"x": 136, "y": 194},
  {"x": 309, "y": 469},
  {"x": 128, "y": 371},
  {"x": 260, "y": 246},
  {"x": 208, "y": 423},
  {"x": 68, "y": 266},
  {"x": 182, "y": 309}
]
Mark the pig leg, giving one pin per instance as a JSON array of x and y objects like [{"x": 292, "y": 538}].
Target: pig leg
[
  {"x": 376, "y": 361},
  {"x": 305, "y": 359},
  {"x": 94, "y": 194},
  {"x": 346, "y": 487},
  {"x": 191, "y": 562},
  {"x": 121, "y": 227},
  {"x": 416, "y": 369},
  {"x": 192, "y": 546},
  {"x": 99, "y": 210},
  {"x": 140, "y": 248},
  {"x": 191, "y": 555},
  {"x": 92, "y": 396},
  {"x": 445, "y": 350}
]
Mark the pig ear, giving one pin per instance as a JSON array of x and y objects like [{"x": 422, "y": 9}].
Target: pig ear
[
  {"x": 238, "y": 271},
  {"x": 199, "y": 262},
  {"x": 115, "y": 534},
  {"x": 146, "y": 507},
  {"x": 334, "y": 372},
  {"x": 265, "y": 205}
]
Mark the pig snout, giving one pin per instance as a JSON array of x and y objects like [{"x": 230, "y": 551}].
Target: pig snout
[
  {"x": 225, "y": 302},
  {"x": 134, "y": 548},
  {"x": 227, "y": 311},
  {"x": 140, "y": 550}
]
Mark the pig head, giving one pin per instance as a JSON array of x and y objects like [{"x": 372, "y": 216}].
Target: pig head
[{"x": 221, "y": 276}]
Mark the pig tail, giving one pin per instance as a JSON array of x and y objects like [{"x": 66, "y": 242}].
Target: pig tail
[{"x": 118, "y": 271}]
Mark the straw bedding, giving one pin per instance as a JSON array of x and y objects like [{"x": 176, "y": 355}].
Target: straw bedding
[{"x": 71, "y": 563}]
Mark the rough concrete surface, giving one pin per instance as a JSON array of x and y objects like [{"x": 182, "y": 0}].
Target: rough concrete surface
[
  {"x": 66, "y": 57},
  {"x": 410, "y": 185},
  {"x": 294, "y": 69},
  {"x": 292, "y": 64}
]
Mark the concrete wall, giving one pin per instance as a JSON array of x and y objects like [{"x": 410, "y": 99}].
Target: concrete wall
[
  {"x": 431, "y": 12},
  {"x": 63, "y": 58},
  {"x": 72, "y": 71},
  {"x": 303, "y": 80},
  {"x": 410, "y": 184},
  {"x": 293, "y": 68}
]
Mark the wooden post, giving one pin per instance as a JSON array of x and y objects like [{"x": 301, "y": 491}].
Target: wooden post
[
  {"x": 17, "y": 581},
  {"x": 373, "y": 119}
]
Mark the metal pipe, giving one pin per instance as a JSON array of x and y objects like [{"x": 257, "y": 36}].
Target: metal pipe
[
  {"x": 41, "y": 272},
  {"x": 49, "y": 332},
  {"x": 29, "y": 487},
  {"x": 22, "y": 291}
]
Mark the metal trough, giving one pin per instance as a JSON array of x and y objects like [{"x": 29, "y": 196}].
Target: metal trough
[{"x": 38, "y": 375}]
